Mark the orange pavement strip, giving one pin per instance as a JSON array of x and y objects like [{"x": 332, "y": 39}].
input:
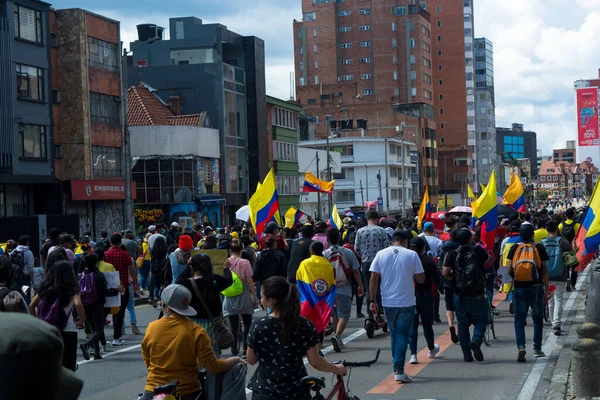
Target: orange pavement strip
[{"x": 390, "y": 386}]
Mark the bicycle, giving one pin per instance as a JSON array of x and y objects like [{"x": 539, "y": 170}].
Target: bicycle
[
  {"x": 339, "y": 390},
  {"x": 490, "y": 331}
]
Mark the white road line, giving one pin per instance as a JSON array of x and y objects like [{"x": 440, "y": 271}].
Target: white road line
[
  {"x": 112, "y": 353},
  {"x": 550, "y": 345},
  {"x": 329, "y": 349}
]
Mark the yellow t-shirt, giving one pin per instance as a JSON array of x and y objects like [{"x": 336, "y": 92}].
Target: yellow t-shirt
[
  {"x": 539, "y": 235},
  {"x": 569, "y": 222},
  {"x": 145, "y": 251},
  {"x": 106, "y": 267},
  {"x": 172, "y": 348}
]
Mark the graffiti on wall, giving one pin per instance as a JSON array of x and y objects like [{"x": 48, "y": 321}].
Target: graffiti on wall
[
  {"x": 148, "y": 215},
  {"x": 184, "y": 214},
  {"x": 109, "y": 217}
]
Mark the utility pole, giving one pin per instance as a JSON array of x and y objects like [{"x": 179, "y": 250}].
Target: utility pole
[
  {"x": 318, "y": 193},
  {"x": 379, "y": 208},
  {"x": 362, "y": 196},
  {"x": 125, "y": 148},
  {"x": 367, "y": 181},
  {"x": 387, "y": 187}
]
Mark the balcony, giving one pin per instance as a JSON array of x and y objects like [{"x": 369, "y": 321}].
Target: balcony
[{"x": 347, "y": 159}]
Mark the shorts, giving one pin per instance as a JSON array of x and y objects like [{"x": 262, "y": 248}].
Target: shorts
[
  {"x": 344, "y": 306},
  {"x": 449, "y": 297}
]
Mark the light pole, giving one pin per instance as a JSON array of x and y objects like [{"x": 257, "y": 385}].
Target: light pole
[
  {"x": 399, "y": 132},
  {"x": 125, "y": 134}
]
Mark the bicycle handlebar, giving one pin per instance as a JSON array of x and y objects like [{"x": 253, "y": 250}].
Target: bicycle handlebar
[{"x": 360, "y": 364}]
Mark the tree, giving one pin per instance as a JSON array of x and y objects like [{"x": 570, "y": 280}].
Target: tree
[{"x": 541, "y": 195}]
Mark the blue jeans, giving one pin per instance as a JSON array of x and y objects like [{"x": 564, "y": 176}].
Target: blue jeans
[
  {"x": 470, "y": 311},
  {"x": 489, "y": 286},
  {"x": 399, "y": 320},
  {"x": 524, "y": 298},
  {"x": 143, "y": 274},
  {"x": 131, "y": 307}
]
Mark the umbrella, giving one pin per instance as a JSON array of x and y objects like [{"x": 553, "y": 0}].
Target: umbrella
[
  {"x": 243, "y": 213},
  {"x": 505, "y": 211},
  {"x": 461, "y": 210}
]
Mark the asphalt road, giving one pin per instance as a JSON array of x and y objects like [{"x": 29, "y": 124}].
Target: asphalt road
[{"x": 121, "y": 374}]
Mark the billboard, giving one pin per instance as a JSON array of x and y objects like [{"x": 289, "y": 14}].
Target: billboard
[{"x": 587, "y": 116}]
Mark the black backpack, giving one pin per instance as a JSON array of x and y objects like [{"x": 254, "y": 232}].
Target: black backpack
[
  {"x": 568, "y": 231},
  {"x": 469, "y": 278}
]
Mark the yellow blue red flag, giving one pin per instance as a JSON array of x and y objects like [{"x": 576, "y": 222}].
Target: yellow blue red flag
[
  {"x": 334, "y": 219},
  {"x": 485, "y": 209},
  {"x": 587, "y": 240},
  {"x": 515, "y": 194},
  {"x": 314, "y": 184},
  {"x": 292, "y": 216},
  {"x": 425, "y": 209},
  {"x": 470, "y": 193},
  {"x": 315, "y": 280},
  {"x": 264, "y": 204}
]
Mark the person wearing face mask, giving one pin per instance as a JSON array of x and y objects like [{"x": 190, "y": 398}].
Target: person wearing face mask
[{"x": 173, "y": 346}]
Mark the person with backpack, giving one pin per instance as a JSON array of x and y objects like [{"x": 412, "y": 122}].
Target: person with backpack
[
  {"x": 568, "y": 230},
  {"x": 299, "y": 251},
  {"x": 269, "y": 262},
  {"x": 22, "y": 258},
  {"x": 58, "y": 298},
  {"x": 465, "y": 268},
  {"x": 531, "y": 288},
  {"x": 446, "y": 286},
  {"x": 10, "y": 300},
  {"x": 347, "y": 270},
  {"x": 558, "y": 273}
]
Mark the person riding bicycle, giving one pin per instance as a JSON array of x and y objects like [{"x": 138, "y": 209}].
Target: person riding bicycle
[
  {"x": 279, "y": 342},
  {"x": 173, "y": 346}
]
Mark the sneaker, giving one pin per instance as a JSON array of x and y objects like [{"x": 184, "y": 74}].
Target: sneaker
[
  {"x": 453, "y": 335},
  {"x": 433, "y": 353},
  {"x": 521, "y": 356},
  {"x": 538, "y": 353},
  {"x": 118, "y": 342},
  {"x": 495, "y": 311},
  {"x": 511, "y": 308},
  {"x": 360, "y": 315},
  {"x": 568, "y": 288},
  {"x": 468, "y": 358},
  {"x": 85, "y": 351},
  {"x": 98, "y": 356},
  {"x": 154, "y": 302},
  {"x": 335, "y": 341},
  {"x": 557, "y": 331},
  {"x": 104, "y": 348},
  {"x": 414, "y": 359},
  {"x": 135, "y": 330},
  {"x": 476, "y": 349},
  {"x": 401, "y": 377},
  {"x": 107, "y": 322}
]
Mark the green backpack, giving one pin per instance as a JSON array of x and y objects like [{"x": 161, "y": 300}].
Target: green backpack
[{"x": 236, "y": 288}]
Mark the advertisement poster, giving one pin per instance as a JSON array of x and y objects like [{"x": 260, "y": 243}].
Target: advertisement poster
[
  {"x": 112, "y": 282},
  {"x": 148, "y": 215},
  {"x": 587, "y": 117}
]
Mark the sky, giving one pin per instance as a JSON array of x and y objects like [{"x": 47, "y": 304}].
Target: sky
[{"x": 540, "y": 48}]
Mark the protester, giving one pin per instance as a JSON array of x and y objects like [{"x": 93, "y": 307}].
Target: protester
[
  {"x": 270, "y": 262},
  {"x": 53, "y": 240},
  {"x": 159, "y": 231},
  {"x": 433, "y": 243},
  {"x": 144, "y": 271},
  {"x": 568, "y": 230},
  {"x": 10, "y": 300},
  {"x": 22, "y": 258},
  {"x": 158, "y": 257},
  {"x": 179, "y": 258},
  {"x": 279, "y": 343},
  {"x": 299, "y": 251},
  {"x": 104, "y": 242},
  {"x": 66, "y": 243},
  {"x": 173, "y": 234},
  {"x": 320, "y": 236}
]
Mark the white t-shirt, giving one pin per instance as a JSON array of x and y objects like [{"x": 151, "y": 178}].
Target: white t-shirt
[
  {"x": 434, "y": 245},
  {"x": 397, "y": 267},
  {"x": 71, "y": 327}
]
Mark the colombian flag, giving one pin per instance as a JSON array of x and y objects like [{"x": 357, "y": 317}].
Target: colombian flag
[
  {"x": 470, "y": 193},
  {"x": 292, "y": 216},
  {"x": 515, "y": 194},
  {"x": 264, "y": 204},
  {"x": 334, "y": 219},
  {"x": 425, "y": 210},
  {"x": 315, "y": 279},
  {"x": 587, "y": 240},
  {"x": 314, "y": 184},
  {"x": 485, "y": 209}
]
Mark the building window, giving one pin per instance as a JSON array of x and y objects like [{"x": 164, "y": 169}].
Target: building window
[
  {"x": 425, "y": 46},
  {"x": 395, "y": 75},
  {"x": 106, "y": 161},
  {"x": 427, "y": 79},
  {"x": 396, "y": 92},
  {"x": 346, "y": 77},
  {"x": 301, "y": 81},
  {"x": 543, "y": 178},
  {"x": 346, "y": 61},
  {"x": 30, "y": 82},
  {"x": 300, "y": 49},
  {"x": 441, "y": 111},
  {"x": 314, "y": 31},
  {"x": 28, "y": 24},
  {"x": 413, "y": 91},
  {"x": 441, "y": 82},
  {"x": 413, "y": 59},
  {"x": 367, "y": 93},
  {"x": 425, "y": 30},
  {"x": 283, "y": 151},
  {"x": 412, "y": 42},
  {"x": 366, "y": 76},
  {"x": 316, "y": 80},
  {"x": 427, "y": 94},
  {"x": 316, "y": 63},
  {"x": 344, "y": 13},
  {"x": 287, "y": 185},
  {"x": 441, "y": 97},
  {"x": 439, "y": 23},
  {"x": 311, "y": 101},
  {"x": 440, "y": 67},
  {"x": 103, "y": 54},
  {"x": 345, "y": 29},
  {"x": 555, "y": 177},
  {"x": 366, "y": 44},
  {"x": 364, "y": 11},
  {"x": 286, "y": 118},
  {"x": 366, "y": 60},
  {"x": 394, "y": 43},
  {"x": 438, "y": 9},
  {"x": 309, "y": 16},
  {"x": 426, "y": 62},
  {"x": 442, "y": 127},
  {"x": 394, "y": 59},
  {"x": 364, "y": 27},
  {"x": 105, "y": 109},
  {"x": 344, "y": 196},
  {"x": 315, "y": 47},
  {"x": 33, "y": 141},
  {"x": 424, "y": 5},
  {"x": 439, "y": 53},
  {"x": 400, "y": 10},
  {"x": 394, "y": 27},
  {"x": 413, "y": 75},
  {"x": 345, "y": 45},
  {"x": 301, "y": 65}
]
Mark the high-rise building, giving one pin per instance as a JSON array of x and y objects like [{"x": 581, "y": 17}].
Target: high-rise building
[
  {"x": 485, "y": 110},
  {"x": 513, "y": 144},
  {"x": 365, "y": 68},
  {"x": 567, "y": 154}
]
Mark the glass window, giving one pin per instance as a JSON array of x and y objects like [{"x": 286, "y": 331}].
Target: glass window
[
  {"x": 366, "y": 60},
  {"x": 344, "y": 13},
  {"x": 104, "y": 55},
  {"x": 345, "y": 29},
  {"x": 30, "y": 82},
  {"x": 366, "y": 76},
  {"x": 28, "y": 24},
  {"x": 412, "y": 42},
  {"x": 192, "y": 56},
  {"x": 413, "y": 75},
  {"x": 412, "y": 59},
  {"x": 106, "y": 161},
  {"x": 105, "y": 109},
  {"x": 315, "y": 47},
  {"x": 413, "y": 91},
  {"x": 33, "y": 141},
  {"x": 364, "y": 11},
  {"x": 394, "y": 27},
  {"x": 395, "y": 75},
  {"x": 400, "y": 10},
  {"x": 367, "y": 93},
  {"x": 366, "y": 44}
]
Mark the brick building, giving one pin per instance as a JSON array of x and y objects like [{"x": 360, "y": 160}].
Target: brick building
[
  {"x": 88, "y": 117},
  {"x": 368, "y": 66},
  {"x": 562, "y": 178}
]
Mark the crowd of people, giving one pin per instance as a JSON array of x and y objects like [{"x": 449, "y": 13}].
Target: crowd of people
[{"x": 305, "y": 278}]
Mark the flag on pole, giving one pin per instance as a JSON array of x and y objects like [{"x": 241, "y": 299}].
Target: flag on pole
[
  {"x": 314, "y": 184},
  {"x": 515, "y": 194},
  {"x": 425, "y": 209},
  {"x": 482, "y": 187},
  {"x": 264, "y": 204},
  {"x": 587, "y": 240},
  {"x": 485, "y": 209},
  {"x": 334, "y": 219},
  {"x": 470, "y": 193},
  {"x": 292, "y": 216}
]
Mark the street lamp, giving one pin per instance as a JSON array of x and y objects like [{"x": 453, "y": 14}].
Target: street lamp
[{"x": 125, "y": 135}]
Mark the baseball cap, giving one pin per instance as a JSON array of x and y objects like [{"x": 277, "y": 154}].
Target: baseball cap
[
  {"x": 151, "y": 228},
  {"x": 178, "y": 299},
  {"x": 428, "y": 226},
  {"x": 176, "y": 225}
]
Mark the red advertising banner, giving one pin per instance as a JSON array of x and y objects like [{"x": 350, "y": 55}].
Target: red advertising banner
[
  {"x": 100, "y": 190},
  {"x": 587, "y": 116}
]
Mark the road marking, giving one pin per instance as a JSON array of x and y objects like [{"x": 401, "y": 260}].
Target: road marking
[
  {"x": 112, "y": 353},
  {"x": 389, "y": 384},
  {"x": 550, "y": 345}
]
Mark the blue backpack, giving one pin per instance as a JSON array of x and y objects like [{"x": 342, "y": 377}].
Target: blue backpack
[{"x": 555, "y": 264}]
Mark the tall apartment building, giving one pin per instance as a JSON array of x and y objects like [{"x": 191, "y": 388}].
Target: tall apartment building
[
  {"x": 364, "y": 68},
  {"x": 567, "y": 154},
  {"x": 485, "y": 110},
  {"x": 513, "y": 144}
]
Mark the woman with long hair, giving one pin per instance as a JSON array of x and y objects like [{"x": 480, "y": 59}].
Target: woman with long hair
[
  {"x": 242, "y": 304},
  {"x": 60, "y": 284},
  {"x": 158, "y": 254},
  {"x": 199, "y": 279},
  {"x": 280, "y": 342}
]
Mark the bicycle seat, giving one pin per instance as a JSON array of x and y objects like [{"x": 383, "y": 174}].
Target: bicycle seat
[
  {"x": 313, "y": 382},
  {"x": 168, "y": 388}
]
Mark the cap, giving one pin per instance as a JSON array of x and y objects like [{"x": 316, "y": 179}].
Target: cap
[
  {"x": 178, "y": 299},
  {"x": 235, "y": 235},
  {"x": 402, "y": 235},
  {"x": 428, "y": 226},
  {"x": 185, "y": 243},
  {"x": 176, "y": 225},
  {"x": 152, "y": 228},
  {"x": 346, "y": 220},
  {"x": 463, "y": 234},
  {"x": 382, "y": 220}
]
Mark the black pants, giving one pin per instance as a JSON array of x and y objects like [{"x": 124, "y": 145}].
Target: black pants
[
  {"x": 436, "y": 305},
  {"x": 156, "y": 282},
  {"x": 573, "y": 277},
  {"x": 119, "y": 317},
  {"x": 246, "y": 321},
  {"x": 94, "y": 314},
  {"x": 424, "y": 302},
  {"x": 359, "y": 299},
  {"x": 69, "y": 350}
]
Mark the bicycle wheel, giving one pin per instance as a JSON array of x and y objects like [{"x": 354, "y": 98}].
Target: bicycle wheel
[
  {"x": 491, "y": 325},
  {"x": 486, "y": 336}
]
